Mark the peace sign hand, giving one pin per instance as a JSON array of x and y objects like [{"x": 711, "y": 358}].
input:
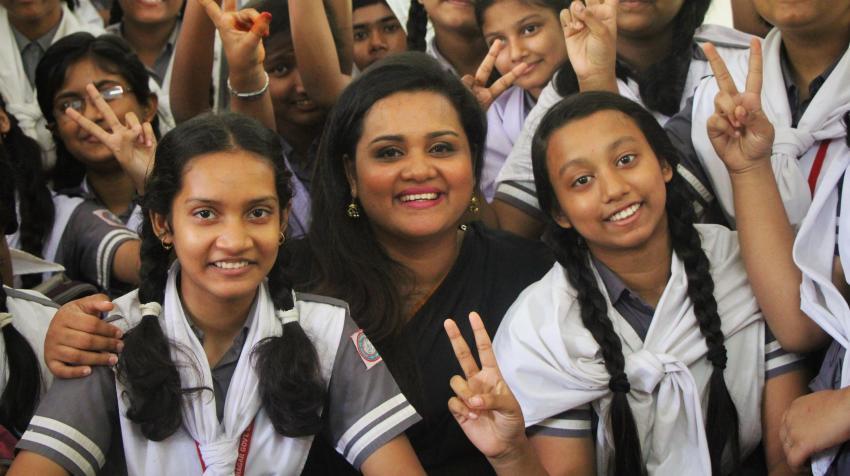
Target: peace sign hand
[
  {"x": 739, "y": 130},
  {"x": 133, "y": 143},
  {"x": 483, "y": 404},
  {"x": 590, "y": 32},
  {"x": 241, "y": 33},
  {"x": 478, "y": 83}
]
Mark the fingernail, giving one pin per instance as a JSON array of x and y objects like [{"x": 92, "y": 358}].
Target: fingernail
[
  {"x": 579, "y": 6},
  {"x": 87, "y": 371},
  {"x": 472, "y": 415},
  {"x": 113, "y": 359},
  {"x": 476, "y": 401},
  {"x": 266, "y": 15},
  {"x": 119, "y": 334},
  {"x": 120, "y": 347}
]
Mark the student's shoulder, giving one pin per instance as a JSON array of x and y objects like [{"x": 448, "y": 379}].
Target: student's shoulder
[
  {"x": 723, "y": 37},
  {"x": 718, "y": 242},
  {"x": 30, "y": 296}
]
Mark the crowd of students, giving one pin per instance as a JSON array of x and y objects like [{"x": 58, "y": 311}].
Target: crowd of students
[{"x": 283, "y": 232}]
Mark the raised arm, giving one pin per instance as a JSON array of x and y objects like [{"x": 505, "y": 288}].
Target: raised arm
[
  {"x": 241, "y": 35},
  {"x": 191, "y": 76},
  {"x": 315, "y": 52},
  {"x": 590, "y": 33},
  {"x": 742, "y": 136}
]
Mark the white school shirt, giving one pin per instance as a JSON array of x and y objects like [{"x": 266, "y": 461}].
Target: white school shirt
[
  {"x": 505, "y": 118},
  {"x": 553, "y": 364},
  {"x": 795, "y": 150},
  {"x": 31, "y": 313},
  {"x": 21, "y": 98},
  {"x": 515, "y": 182}
]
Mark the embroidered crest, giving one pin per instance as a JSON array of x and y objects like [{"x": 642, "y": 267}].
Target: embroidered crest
[{"x": 367, "y": 352}]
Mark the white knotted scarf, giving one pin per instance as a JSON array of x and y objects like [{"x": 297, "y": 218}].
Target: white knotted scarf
[
  {"x": 793, "y": 147},
  {"x": 814, "y": 252},
  {"x": 553, "y": 363},
  {"x": 21, "y": 99},
  {"x": 218, "y": 443}
]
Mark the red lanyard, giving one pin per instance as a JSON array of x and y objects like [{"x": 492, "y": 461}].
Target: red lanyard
[
  {"x": 242, "y": 458},
  {"x": 818, "y": 164}
]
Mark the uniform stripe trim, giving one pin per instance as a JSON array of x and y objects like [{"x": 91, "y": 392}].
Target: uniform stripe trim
[
  {"x": 368, "y": 419},
  {"x": 377, "y": 431},
  {"x": 58, "y": 446},
  {"x": 105, "y": 251},
  {"x": 72, "y": 433}
]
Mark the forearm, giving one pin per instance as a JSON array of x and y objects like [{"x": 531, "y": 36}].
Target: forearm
[
  {"x": 340, "y": 16},
  {"x": 599, "y": 82},
  {"x": 193, "y": 63},
  {"x": 126, "y": 262},
  {"x": 523, "y": 460},
  {"x": 315, "y": 52},
  {"x": 767, "y": 239},
  {"x": 259, "y": 108}
]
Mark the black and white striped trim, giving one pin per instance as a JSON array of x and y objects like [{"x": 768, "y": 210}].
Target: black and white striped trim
[
  {"x": 79, "y": 454},
  {"x": 374, "y": 429},
  {"x": 105, "y": 251}
]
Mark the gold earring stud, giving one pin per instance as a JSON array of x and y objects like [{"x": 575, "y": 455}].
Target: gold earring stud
[{"x": 352, "y": 210}]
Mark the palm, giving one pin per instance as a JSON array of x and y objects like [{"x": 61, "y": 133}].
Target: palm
[
  {"x": 591, "y": 44},
  {"x": 493, "y": 431}
]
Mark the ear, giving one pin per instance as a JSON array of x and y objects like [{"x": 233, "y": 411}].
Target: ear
[
  {"x": 5, "y": 124},
  {"x": 161, "y": 228},
  {"x": 284, "y": 217},
  {"x": 561, "y": 218},
  {"x": 666, "y": 171},
  {"x": 350, "y": 174},
  {"x": 150, "y": 108}
]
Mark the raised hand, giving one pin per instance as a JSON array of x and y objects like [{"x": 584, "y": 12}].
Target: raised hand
[
  {"x": 483, "y": 404},
  {"x": 132, "y": 143},
  {"x": 590, "y": 32},
  {"x": 739, "y": 131},
  {"x": 478, "y": 83},
  {"x": 241, "y": 34}
]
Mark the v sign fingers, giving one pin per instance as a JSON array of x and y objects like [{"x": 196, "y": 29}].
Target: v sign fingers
[{"x": 461, "y": 350}]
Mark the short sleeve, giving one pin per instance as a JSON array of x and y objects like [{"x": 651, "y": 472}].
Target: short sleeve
[
  {"x": 75, "y": 423},
  {"x": 575, "y": 423},
  {"x": 778, "y": 361},
  {"x": 366, "y": 409},
  {"x": 89, "y": 242}
]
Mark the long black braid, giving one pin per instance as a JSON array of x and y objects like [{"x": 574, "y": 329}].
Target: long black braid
[
  {"x": 722, "y": 433},
  {"x": 417, "y": 26}
]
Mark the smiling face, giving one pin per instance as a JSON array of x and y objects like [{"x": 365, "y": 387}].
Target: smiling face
[
  {"x": 292, "y": 105},
  {"x": 458, "y": 15},
  {"x": 33, "y": 11},
  {"x": 150, "y": 11},
  {"x": 79, "y": 143},
  {"x": 225, "y": 225},
  {"x": 818, "y": 16},
  {"x": 413, "y": 170},
  {"x": 646, "y": 18},
  {"x": 532, "y": 34},
  {"x": 608, "y": 181},
  {"x": 377, "y": 33}
]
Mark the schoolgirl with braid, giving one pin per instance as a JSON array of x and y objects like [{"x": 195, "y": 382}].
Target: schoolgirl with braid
[
  {"x": 225, "y": 370},
  {"x": 643, "y": 350}
]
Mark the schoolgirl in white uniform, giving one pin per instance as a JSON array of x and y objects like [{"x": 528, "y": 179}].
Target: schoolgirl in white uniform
[
  {"x": 663, "y": 87},
  {"x": 224, "y": 369},
  {"x": 530, "y": 37},
  {"x": 677, "y": 363}
]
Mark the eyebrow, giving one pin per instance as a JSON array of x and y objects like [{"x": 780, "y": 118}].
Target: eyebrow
[
  {"x": 400, "y": 138},
  {"x": 98, "y": 85},
  {"x": 365, "y": 25},
  {"x": 612, "y": 146},
  {"x": 535, "y": 16},
  {"x": 210, "y": 201}
]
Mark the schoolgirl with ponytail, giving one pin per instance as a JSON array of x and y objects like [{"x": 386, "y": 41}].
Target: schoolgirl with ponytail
[
  {"x": 647, "y": 318},
  {"x": 224, "y": 367}
]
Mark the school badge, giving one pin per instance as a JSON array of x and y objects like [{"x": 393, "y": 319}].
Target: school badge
[{"x": 367, "y": 352}]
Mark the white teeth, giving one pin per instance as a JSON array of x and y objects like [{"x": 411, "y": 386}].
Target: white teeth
[
  {"x": 230, "y": 264},
  {"x": 419, "y": 196},
  {"x": 623, "y": 214}
]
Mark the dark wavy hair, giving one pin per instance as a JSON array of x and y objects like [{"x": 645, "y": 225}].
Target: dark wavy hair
[
  {"x": 291, "y": 386},
  {"x": 23, "y": 156},
  {"x": 556, "y": 6},
  {"x": 662, "y": 84},
  {"x": 23, "y": 389},
  {"x": 346, "y": 259},
  {"x": 110, "y": 53},
  {"x": 572, "y": 253}
]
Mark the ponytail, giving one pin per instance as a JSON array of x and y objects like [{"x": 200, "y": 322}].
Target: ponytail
[
  {"x": 417, "y": 26},
  {"x": 145, "y": 366},
  {"x": 23, "y": 389},
  {"x": 291, "y": 386}
]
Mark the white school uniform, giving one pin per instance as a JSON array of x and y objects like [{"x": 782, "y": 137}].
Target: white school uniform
[
  {"x": 795, "y": 150},
  {"x": 553, "y": 364},
  {"x": 515, "y": 183},
  {"x": 31, "y": 313},
  {"x": 20, "y": 96},
  {"x": 365, "y": 408},
  {"x": 504, "y": 124}
]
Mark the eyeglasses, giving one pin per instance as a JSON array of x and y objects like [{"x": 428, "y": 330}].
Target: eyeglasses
[{"x": 77, "y": 103}]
